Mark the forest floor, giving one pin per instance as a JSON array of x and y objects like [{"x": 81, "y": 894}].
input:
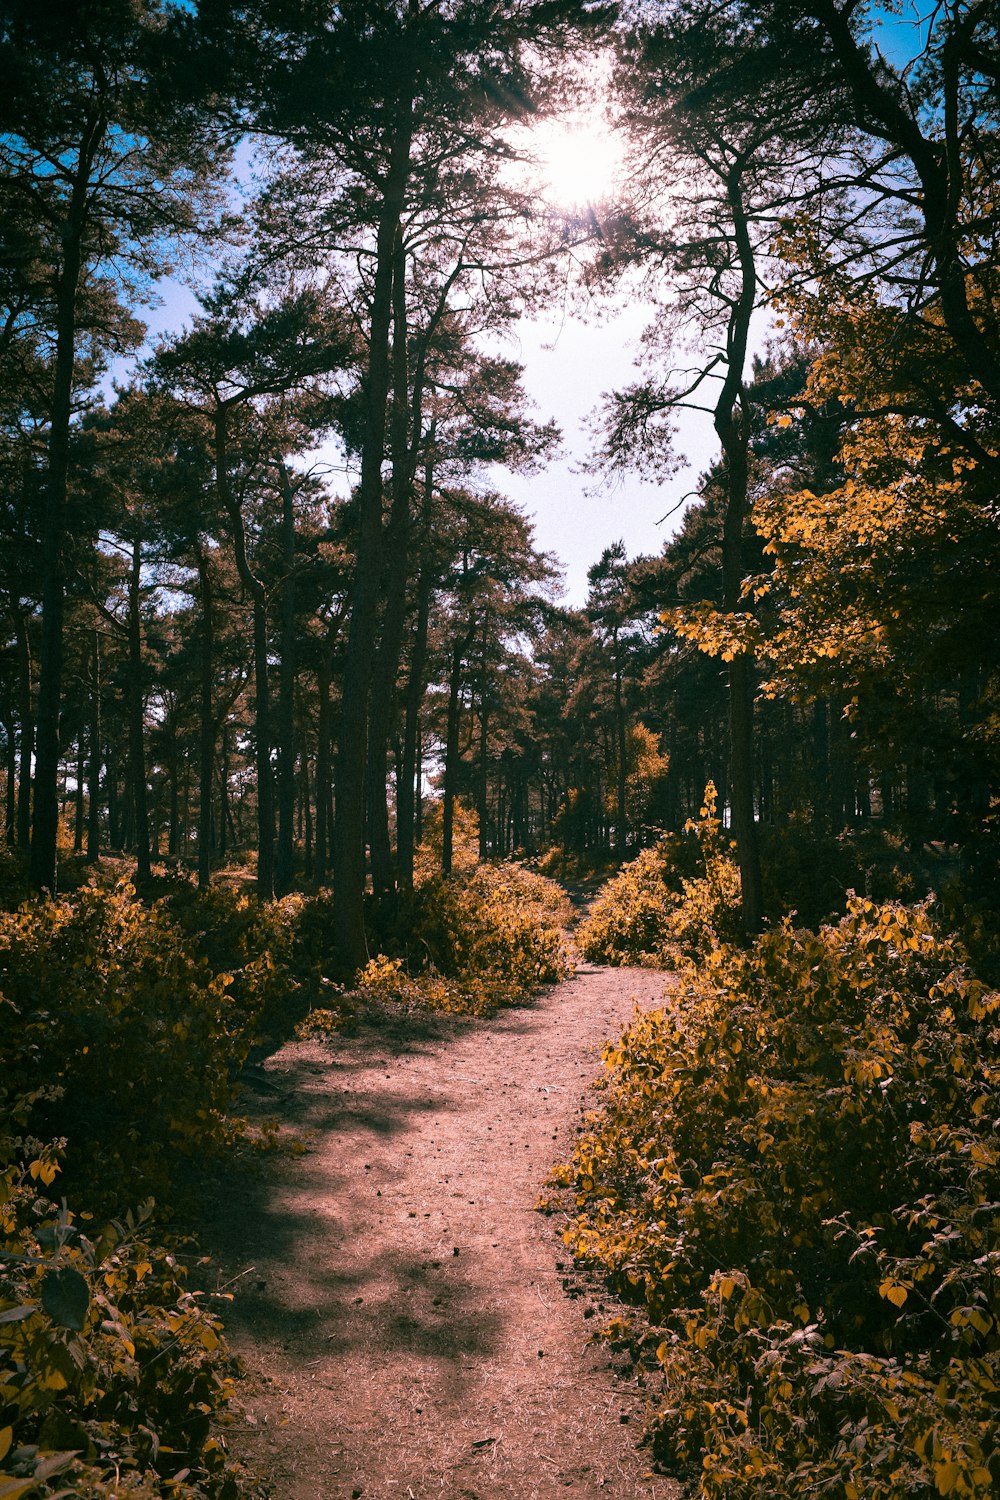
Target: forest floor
[{"x": 410, "y": 1326}]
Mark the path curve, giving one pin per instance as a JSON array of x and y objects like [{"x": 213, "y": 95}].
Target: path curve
[{"x": 404, "y": 1324}]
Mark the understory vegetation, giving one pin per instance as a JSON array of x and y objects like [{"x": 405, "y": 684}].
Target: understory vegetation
[
  {"x": 124, "y": 1025},
  {"x": 796, "y": 1175}
]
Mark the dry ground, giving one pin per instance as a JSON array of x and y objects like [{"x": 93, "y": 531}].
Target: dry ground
[{"x": 399, "y": 1306}]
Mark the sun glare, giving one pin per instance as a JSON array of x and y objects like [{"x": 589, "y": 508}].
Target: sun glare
[{"x": 578, "y": 160}]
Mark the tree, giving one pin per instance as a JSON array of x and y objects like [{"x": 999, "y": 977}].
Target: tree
[
  {"x": 401, "y": 110},
  {"x": 736, "y": 139},
  {"x": 102, "y": 158},
  {"x": 241, "y": 365}
]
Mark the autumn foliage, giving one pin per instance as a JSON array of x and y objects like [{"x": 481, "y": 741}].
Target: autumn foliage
[{"x": 795, "y": 1174}]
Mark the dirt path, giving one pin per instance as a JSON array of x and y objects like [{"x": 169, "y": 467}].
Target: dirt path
[{"x": 404, "y": 1325}]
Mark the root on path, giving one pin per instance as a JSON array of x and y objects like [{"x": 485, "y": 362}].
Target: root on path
[{"x": 398, "y": 1305}]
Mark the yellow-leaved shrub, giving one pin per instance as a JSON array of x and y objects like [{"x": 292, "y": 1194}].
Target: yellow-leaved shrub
[
  {"x": 111, "y": 1367},
  {"x": 796, "y": 1173},
  {"x": 677, "y": 900}
]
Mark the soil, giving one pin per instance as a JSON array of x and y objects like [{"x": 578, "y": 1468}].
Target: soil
[{"x": 400, "y": 1308}]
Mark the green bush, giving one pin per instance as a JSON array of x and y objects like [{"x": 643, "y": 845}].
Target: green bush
[
  {"x": 796, "y": 1173},
  {"x": 111, "y": 1368},
  {"x": 109, "y": 1004},
  {"x": 677, "y": 900}
]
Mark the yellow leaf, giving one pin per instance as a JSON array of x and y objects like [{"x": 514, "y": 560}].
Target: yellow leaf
[
  {"x": 6, "y": 1438},
  {"x": 13, "y": 1489},
  {"x": 945, "y": 1476}
]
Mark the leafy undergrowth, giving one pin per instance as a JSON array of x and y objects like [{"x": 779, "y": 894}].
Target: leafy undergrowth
[
  {"x": 680, "y": 899},
  {"x": 111, "y": 1367},
  {"x": 120, "y": 1046},
  {"x": 795, "y": 1174},
  {"x": 488, "y": 936},
  {"x": 675, "y": 901},
  {"x": 124, "y": 1025}
]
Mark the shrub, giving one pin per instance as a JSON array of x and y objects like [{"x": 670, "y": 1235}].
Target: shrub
[
  {"x": 796, "y": 1172},
  {"x": 273, "y": 975},
  {"x": 491, "y": 935},
  {"x": 499, "y": 927},
  {"x": 677, "y": 900},
  {"x": 111, "y": 1368},
  {"x": 142, "y": 1039}
]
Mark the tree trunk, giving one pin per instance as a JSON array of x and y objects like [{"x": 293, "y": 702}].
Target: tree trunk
[
  {"x": 482, "y": 782},
  {"x": 621, "y": 744},
  {"x": 408, "y": 801},
  {"x": 26, "y": 743},
  {"x": 136, "y": 726},
  {"x": 10, "y": 789},
  {"x": 262, "y": 714},
  {"x": 285, "y": 735},
  {"x": 452, "y": 752},
  {"x": 81, "y": 771},
  {"x": 307, "y": 815},
  {"x": 395, "y": 578},
  {"x": 733, "y": 427},
  {"x": 206, "y": 723},
  {"x": 225, "y": 812},
  {"x": 352, "y": 751},
  {"x": 323, "y": 779},
  {"x": 45, "y": 822}
]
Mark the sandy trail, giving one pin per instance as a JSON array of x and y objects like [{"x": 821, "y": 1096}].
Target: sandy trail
[{"x": 404, "y": 1326}]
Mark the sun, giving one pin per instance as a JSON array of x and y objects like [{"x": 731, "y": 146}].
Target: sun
[{"x": 577, "y": 160}]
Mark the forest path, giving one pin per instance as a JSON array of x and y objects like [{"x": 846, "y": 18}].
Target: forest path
[{"x": 404, "y": 1326}]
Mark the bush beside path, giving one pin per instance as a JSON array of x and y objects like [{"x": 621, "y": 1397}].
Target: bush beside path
[{"x": 398, "y": 1305}]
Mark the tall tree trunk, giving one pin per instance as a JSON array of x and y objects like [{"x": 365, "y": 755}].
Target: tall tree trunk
[
  {"x": 136, "y": 725},
  {"x": 10, "y": 789},
  {"x": 94, "y": 775},
  {"x": 408, "y": 802},
  {"x": 396, "y": 570},
  {"x": 452, "y": 753},
  {"x": 174, "y": 825},
  {"x": 821, "y": 765},
  {"x": 482, "y": 774},
  {"x": 262, "y": 712},
  {"x": 114, "y": 805},
  {"x": 45, "y": 821},
  {"x": 621, "y": 762},
  {"x": 324, "y": 673},
  {"x": 81, "y": 773},
  {"x": 451, "y": 760},
  {"x": 225, "y": 812},
  {"x": 25, "y": 715},
  {"x": 733, "y": 427},
  {"x": 307, "y": 813},
  {"x": 418, "y": 792},
  {"x": 285, "y": 727},
  {"x": 206, "y": 723},
  {"x": 352, "y": 751}
]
